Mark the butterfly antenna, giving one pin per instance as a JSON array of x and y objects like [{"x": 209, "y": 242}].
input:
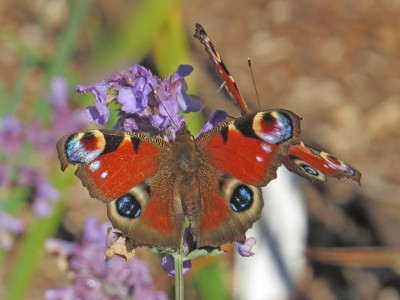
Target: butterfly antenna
[{"x": 254, "y": 82}]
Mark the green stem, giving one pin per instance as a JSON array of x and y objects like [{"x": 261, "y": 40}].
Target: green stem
[{"x": 178, "y": 261}]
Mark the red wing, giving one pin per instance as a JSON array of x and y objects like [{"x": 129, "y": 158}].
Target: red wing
[
  {"x": 110, "y": 162},
  {"x": 229, "y": 82},
  {"x": 316, "y": 165},
  {"x": 251, "y": 148}
]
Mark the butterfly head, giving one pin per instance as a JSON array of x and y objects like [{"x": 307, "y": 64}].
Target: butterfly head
[{"x": 183, "y": 134}]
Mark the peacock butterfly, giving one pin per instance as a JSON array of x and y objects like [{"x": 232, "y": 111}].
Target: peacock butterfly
[
  {"x": 302, "y": 159},
  {"x": 157, "y": 192},
  {"x": 153, "y": 188}
]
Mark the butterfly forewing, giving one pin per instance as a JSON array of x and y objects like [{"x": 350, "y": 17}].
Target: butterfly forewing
[
  {"x": 110, "y": 162},
  {"x": 125, "y": 170},
  {"x": 251, "y": 148}
]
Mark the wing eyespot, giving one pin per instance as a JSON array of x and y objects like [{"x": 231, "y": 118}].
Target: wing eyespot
[
  {"x": 242, "y": 198},
  {"x": 128, "y": 206}
]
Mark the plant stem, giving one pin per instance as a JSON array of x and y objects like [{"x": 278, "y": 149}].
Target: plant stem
[{"x": 178, "y": 261}]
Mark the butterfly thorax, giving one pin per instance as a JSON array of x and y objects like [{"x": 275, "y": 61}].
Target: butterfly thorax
[{"x": 183, "y": 154}]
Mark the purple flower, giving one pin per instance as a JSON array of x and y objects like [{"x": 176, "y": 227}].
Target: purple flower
[
  {"x": 96, "y": 278},
  {"x": 44, "y": 193},
  {"x": 146, "y": 101},
  {"x": 99, "y": 112},
  {"x": 5, "y": 175},
  {"x": 245, "y": 249},
  {"x": 214, "y": 119},
  {"x": 11, "y": 135},
  {"x": 63, "y": 119},
  {"x": 169, "y": 265},
  {"x": 178, "y": 88},
  {"x": 8, "y": 226}
]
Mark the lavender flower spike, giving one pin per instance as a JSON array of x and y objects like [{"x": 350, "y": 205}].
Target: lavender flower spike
[
  {"x": 8, "y": 225},
  {"x": 99, "y": 112},
  {"x": 97, "y": 278},
  {"x": 214, "y": 119},
  {"x": 45, "y": 194}
]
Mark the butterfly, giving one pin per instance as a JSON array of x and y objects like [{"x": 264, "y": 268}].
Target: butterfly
[
  {"x": 153, "y": 188},
  {"x": 157, "y": 192},
  {"x": 302, "y": 159}
]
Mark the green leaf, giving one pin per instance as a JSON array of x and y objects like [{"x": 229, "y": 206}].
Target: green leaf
[
  {"x": 65, "y": 46},
  {"x": 137, "y": 34},
  {"x": 211, "y": 281},
  {"x": 171, "y": 49},
  {"x": 30, "y": 252}
]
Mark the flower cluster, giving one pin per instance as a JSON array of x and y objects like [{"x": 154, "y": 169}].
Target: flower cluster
[
  {"x": 96, "y": 278},
  {"x": 148, "y": 104}
]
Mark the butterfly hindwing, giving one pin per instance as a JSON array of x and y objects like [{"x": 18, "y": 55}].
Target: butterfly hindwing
[
  {"x": 146, "y": 214},
  {"x": 227, "y": 211},
  {"x": 315, "y": 165}
]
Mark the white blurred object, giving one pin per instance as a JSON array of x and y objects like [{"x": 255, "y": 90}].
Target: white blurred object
[{"x": 272, "y": 273}]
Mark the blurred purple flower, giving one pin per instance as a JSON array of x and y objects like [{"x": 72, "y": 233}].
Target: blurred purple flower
[
  {"x": 168, "y": 265},
  {"x": 44, "y": 193},
  {"x": 11, "y": 134},
  {"x": 5, "y": 175},
  {"x": 8, "y": 225},
  {"x": 96, "y": 278},
  {"x": 245, "y": 249},
  {"x": 15, "y": 172},
  {"x": 63, "y": 119}
]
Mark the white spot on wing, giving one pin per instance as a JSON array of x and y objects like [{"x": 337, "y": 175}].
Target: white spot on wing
[
  {"x": 259, "y": 159},
  {"x": 266, "y": 148},
  {"x": 104, "y": 174},
  {"x": 94, "y": 166}
]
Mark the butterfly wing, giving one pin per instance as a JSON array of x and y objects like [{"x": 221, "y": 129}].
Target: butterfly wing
[
  {"x": 123, "y": 170},
  {"x": 238, "y": 157},
  {"x": 251, "y": 148},
  {"x": 315, "y": 165}
]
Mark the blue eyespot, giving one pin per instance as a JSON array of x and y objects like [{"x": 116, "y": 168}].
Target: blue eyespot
[
  {"x": 309, "y": 169},
  {"x": 77, "y": 153},
  {"x": 285, "y": 126},
  {"x": 128, "y": 206},
  {"x": 242, "y": 198}
]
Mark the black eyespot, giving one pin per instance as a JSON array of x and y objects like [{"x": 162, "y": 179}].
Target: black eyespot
[
  {"x": 128, "y": 206},
  {"x": 242, "y": 198},
  {"x": 309, "y": 169}
]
